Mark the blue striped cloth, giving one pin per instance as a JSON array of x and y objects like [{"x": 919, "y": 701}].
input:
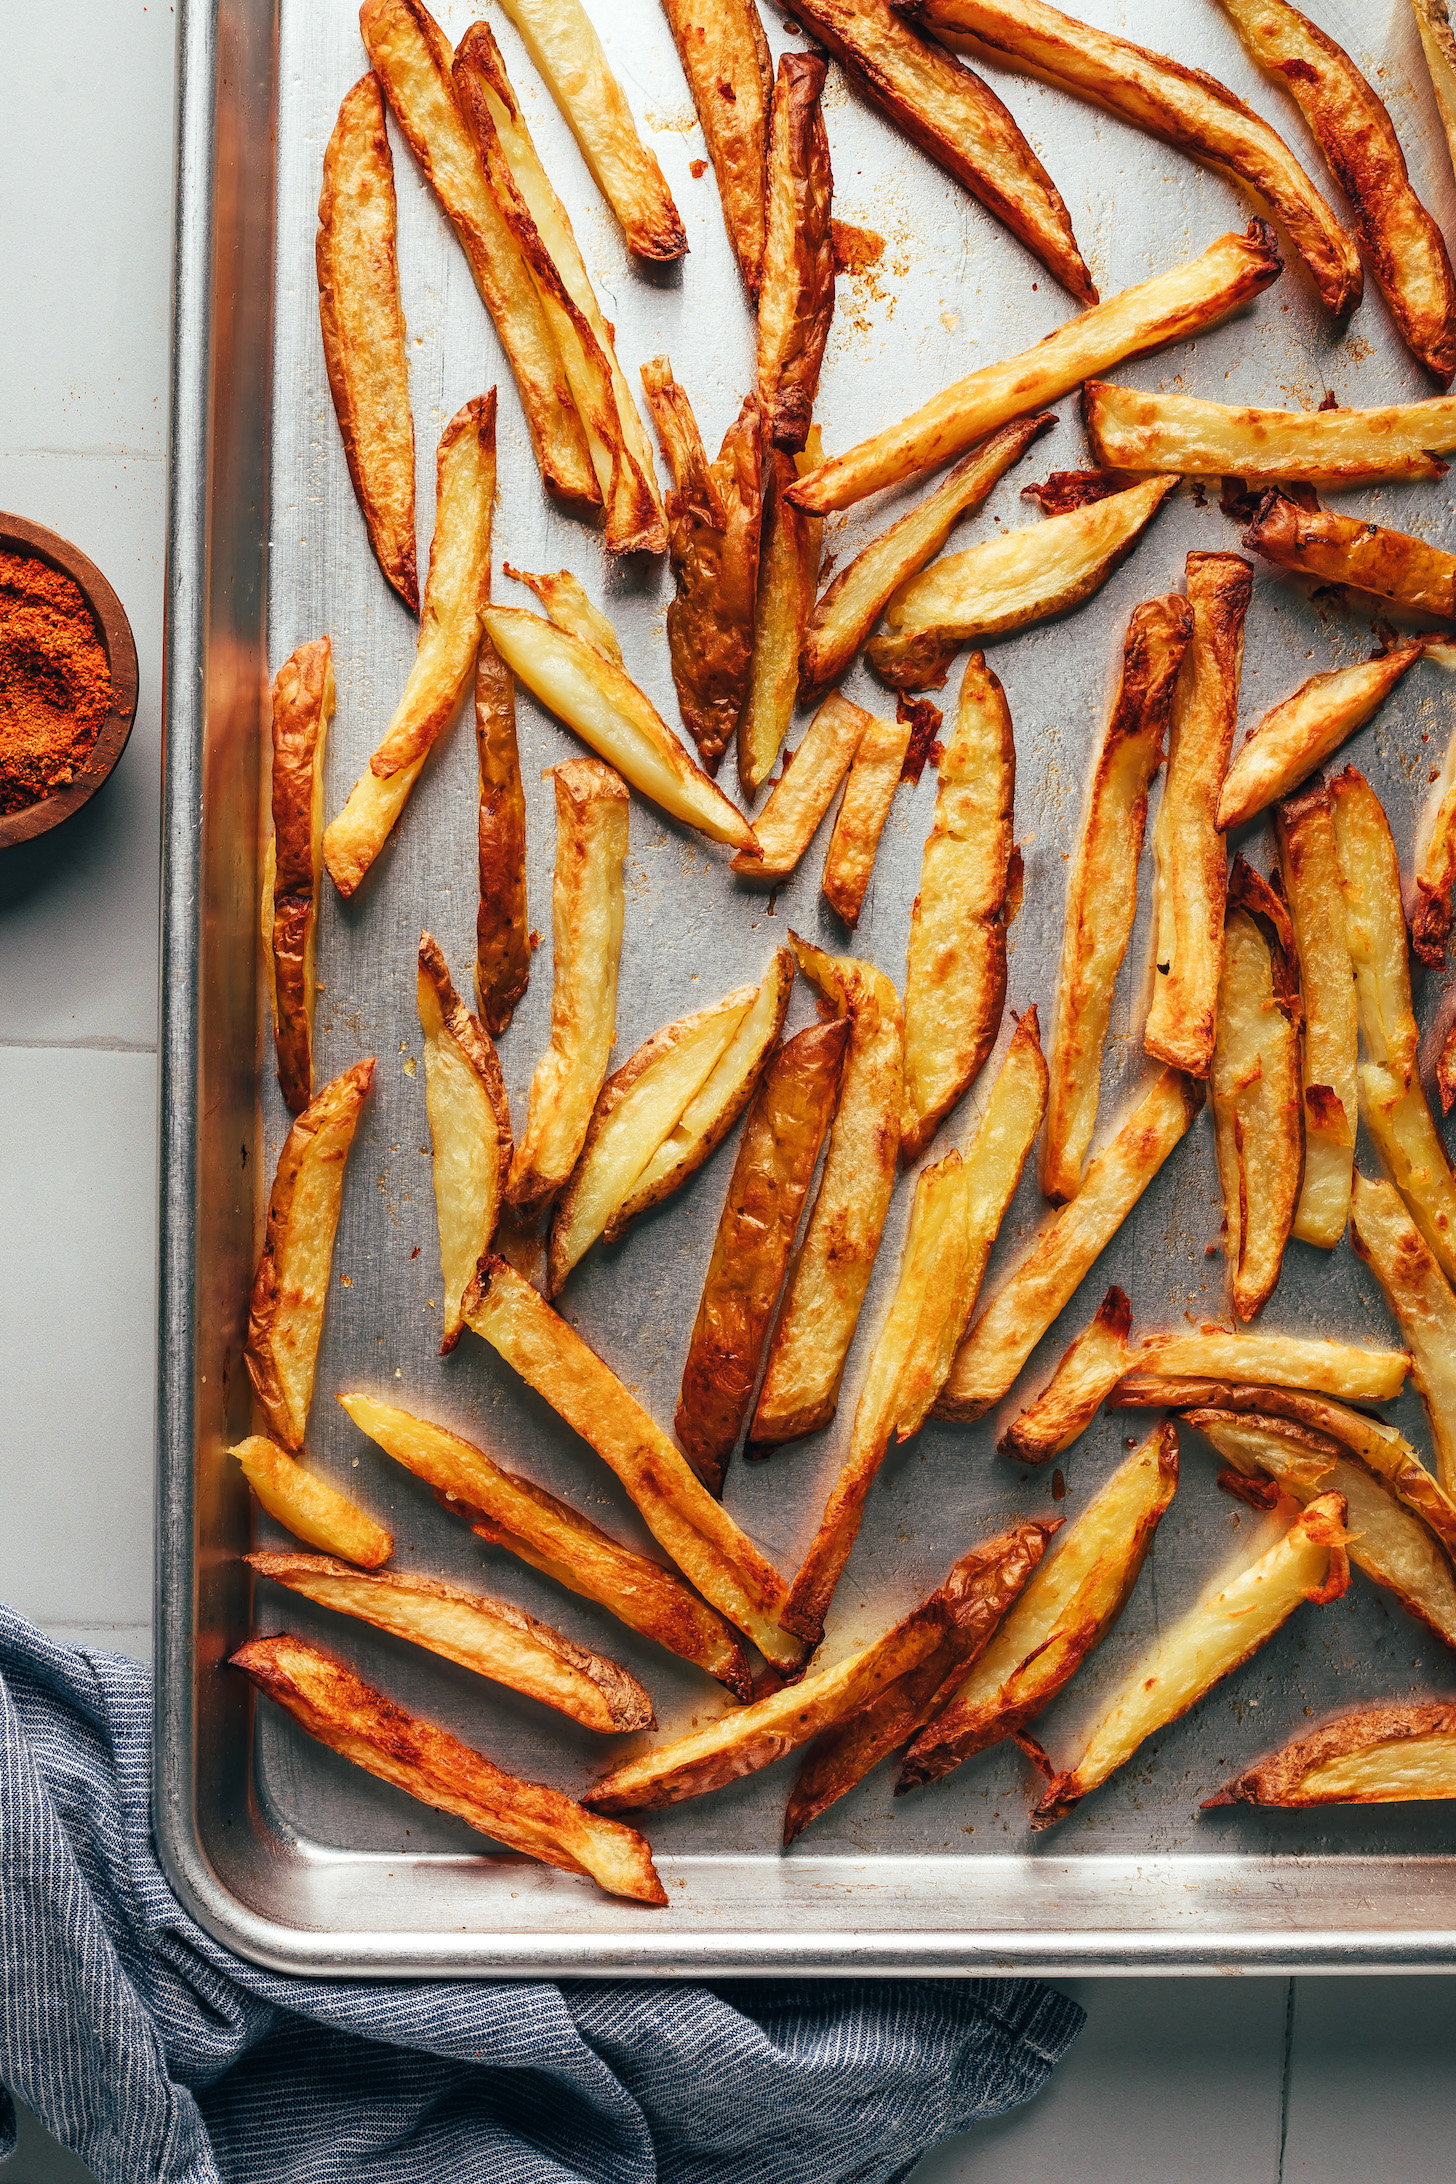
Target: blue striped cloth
[{"x": 156, "y": 2054}]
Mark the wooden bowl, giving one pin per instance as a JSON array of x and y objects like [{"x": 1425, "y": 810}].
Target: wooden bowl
[{"x": 19, "y": 537}]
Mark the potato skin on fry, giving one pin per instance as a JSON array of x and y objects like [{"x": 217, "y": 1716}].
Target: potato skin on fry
[
  {"x": 303, "y": 704},
  {"x": 1435, "y": 876},
  {"x": 1420, "y": 1300},
  {"x": 788, "y": 572},
  {"x": 1376, "y": 1755},
  {"x": 805, "y": 788},
  {"x": 1257, "y": 1104},
  {"x": 874, "y": 776},
  {"x": 1304, "y": 836},
  {"x": 309, "y": 1507},
  {"x": 726, "y": 61},
  {"x": 1089, "y": 1369},
  {"x": 470, "y": 1129},
  {"x": 796, "y": 299},
  {"x": 1295, "y": 737},
  {"x": 502, "y": 938},
  {"x": 1343, "y": 550}
]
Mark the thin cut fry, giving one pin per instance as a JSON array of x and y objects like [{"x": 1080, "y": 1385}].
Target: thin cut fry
[
  {"x": 805, "y": 789},
  {"x": 1128, "y": 430},
  {"x": 874, "y": 776},
  {"x": 309, "y": 1507},
  {"x": 1347, "y": 550},
  {"x": 1296, "y": 736},
  {"x": 565, "y": 600},
  {"x": 1420, "y": 1300},
  {"x": 470, "y": 1129},
  {"x": 726, "y": 60},
  {"x": 1381, "y": 1755},
  {"x": 788, "y": 573},
  {"x": 303, "y": 705},
  {"x": 1087, "y": 1373},
  {"x": 796, "y": 299},
  {"x": 502, "y": 937},
  {"x": 1304, "y": 835},
  {"x": 1436, "y": 872},
  {"x": 1002, "y": 1142},
  {"x": 1257, "y": 1103},
  {"x": 1433, "y": 21},
  {"x": 1275, "y": 1361}
]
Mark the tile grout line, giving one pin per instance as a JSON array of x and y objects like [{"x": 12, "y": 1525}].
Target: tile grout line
[{"x": 1284, "y": 2080}]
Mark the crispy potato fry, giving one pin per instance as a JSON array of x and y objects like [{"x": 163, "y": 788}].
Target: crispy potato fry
[
  {"x": 771, "y": 1176},
  {"x": 286, "y": 1310},
  {"x": 1128, "y": 430},
  {"x": 874, "y": 776},
  {"x": 958, "y": 121},
  {"x": 1433, "y": 21},
  {"x": 502, "y": 937},
  {"x": 1381, "y": 1755},
  {"x": 1003, "y": 1140},
  {"x": 1071, "y": 1602},
  {"x": 362, "y": 322},
  {"x": 680, "y": 1513},
  {"x": 303, "y": 705},
  {"x": 1420, "y": 1301},
  {"x": 601, "y": 704},
  {"x": 457, "y": 588},
  {"x": 805, "y": 788},
  {"x": 587, "y": 907},
  {"x": 1340, "y": 1369},
  {"x": 1258, "y": 1133},
  {"x": 488, "y": 1636},
  {"x": 1208, "y": 1643},
  {"x": 788, "y": 573},
  {"x": 1347, "y": 550},
  {"x": 1414, "y": 1157},
  {"x": 1022, "y": 1310},
  {"x": 1088, "y": 1371},
  {"x": 412, "y": 57},
  {"x": 1296, "y": 736},
  {"x": 819, "y": 1315},
  {"x": 1102, "y": 888},
  {"x": 352, "y": 1718},
  {"x": 1191, "y": 863},
  {"x": 1170, "y": 307},
  {"x": 1304, "y": 835},
  {"x": 796, "y": 298},
  {"x": 470, "y": 1129},
  {"x": 512, "y": 1512},
  {"x": 955, "y": 969},
  {"x": 310, "y": 1508},
  {"x": 565, "y": 600},
  {"x": 568, "y": 56},
  {"x": 726, "y": 60},
  {"x": 1436, "y": 872}
]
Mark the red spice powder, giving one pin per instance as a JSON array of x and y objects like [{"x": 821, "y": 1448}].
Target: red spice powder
[{"x": 55, "y": 683}]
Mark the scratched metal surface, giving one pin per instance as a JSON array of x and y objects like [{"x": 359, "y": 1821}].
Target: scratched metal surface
[{"x": 333, "y": 1869}]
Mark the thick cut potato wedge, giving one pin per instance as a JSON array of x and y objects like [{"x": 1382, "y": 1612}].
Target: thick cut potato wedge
[
  {"x": 286, "y": 1310},
  {"x": 788, "y": 574},
  {"x": 805, "y": 789},
  {"x": 599, "y": 701},
  {"x": 502, "y": 935},
  {"x": 831, "y": 1273},
  {"x": 1436, "y": 872},
  {"x": 1369, "y": 872},
  {"x": 1208, "y": 1643},
  {"x": 587, "y": 907},
  {"x": 1071, "y": 1602},
  {"x": 874, "y": 776},
  {"x": 796, "y": 299},
  {"x": 1257, "y": 1101},
  {"x": 1339, "y": 1369},
  {"x": 1171, "y": 306},
  {"x": 1294, "y": 738},
  {"x": 1130, "y": 431},
  {"x": 310, "y": 1508},
  {"x": 568, "y": 57},
  {"x": 1102, "y": 889},
  {"x": 412, "y": 58},
  {"x": 1433, "y": 20},
  {"x": 303, "y": 705},
  {"x": 955, "y": 969},
  {"x": 678, "y": 1510},
  {"x": 457, "y": 589},
  {"x": 1346, "y": 550},
  {"x": 565, "y": 599},
  {"x": 1190, "y": 860},
  {"x": 771, "y": 1176},
  {"x": 1304, "y": 835},
  {"x": 352, "y": 1718},
  {"x": 727, "y": 63},
  {"x": 470, "y": 1129},
  {"x": 362, "y": 322},
  {"x": 512, "y": 1512},
  {"x": 488, "y": 1636},
  {"x": 1421, "y": 1303},
  {"x": 1020, "y": 1313},
  {"x": 1087, "y": 1373},
  {"x": 1012, "y": 579},
  {"x": 1381, "y": 1755},
  {"x": 637, "y": 1109}
]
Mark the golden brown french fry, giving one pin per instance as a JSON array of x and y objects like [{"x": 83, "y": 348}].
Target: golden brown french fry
[
  {"x": 1380, "y": 1755},
  {"x": 565, "y": 600},
  {"x": 874, "y": 776},
  {"x": 1190, "y": 859},
  {"x": 470, "y": 1129},
  {"x": 310, "y": 1508},
  {"x": 771, "y": 1176},
  {"x": 1071, "y": 1602},
  {"x": 1410, "y": 1146},
  {"x": 727, "y": 63},
  {"x": 568, "y": 57},
  {"x": 1304, "y": 835},
  {"x": 348, "y": 1715},
  {"x": 796, "y": 298},
  {"x": 502, "y": 937},
  {"x": 1171, "y": 306},
  {"x": 1421, "y": 1303},
  {"x": 362, "y": 322},
  {"x": 587, "y": 907},
  {"x": 680, "y": 1513},
  {"x": 955, "y": 970},
  {"x": 1296, "y": 736},
  {"x": 1436, "y": 870},
  {"x": 286, "y": 1309},
  {"x": 1003, "y": 1140},
  {"x": 1433, "y": 21},
  {"x": 1258, "y": 1133},
  {"x": 512, "y": 1512},
  {"x": 457, "y": 588},
  {"x": 1346, "y": 550},
  {"x": 303, "y": 705},
  {"x": 1128, "y": 430},
  {"x": 1102, "y": 888},
  {"x": 831, "y": 1273},
  {"x": 1208, "y": 1643},
  {"x": 788, "y": 572},
  {"x": 805, "y": 789},
  {"x": 1087, "y": 1372},
  {"x": 1339, "y": 1369},
  {"x": 1020, "y": 1313}
]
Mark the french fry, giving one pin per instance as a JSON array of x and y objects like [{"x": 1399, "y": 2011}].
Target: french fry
[
  {"x": 1296, "y": 736},
  {"x": 489, "y": 1636},
  {"x": 1340, "y": 1369},
  {"x": 1087, "y": 1373},
  {"x": 796, "y": 298},
  {"x": 726, "y": 60},
  {"x": 352, "y": 1718},
  {"x": 1421, "y": 1303},
  {"x": 1436, "y": 872},
  {"x": 1191, "y": 863},
  {"x": 1002, "y": 1143},
  {"x": 805, "y": 789},
  {"x": 502, "y": 937},
  {"x": 457, "y": 588},
  {"x": 1380, "y": 1755},
  {"x": 587, "y": 907},
  {"x": 286, "y": 1309},
  {"x": 599, "y": 702},
  {"x": 1258, "y": 1133},
  {"x": 362, "y": 322},
  {"x": 788, "y": 572},
  {"x": 1072, "y": 1600},
  {"x": 309, "y": 1507},
  {"x": 1170, "y": 307},
  {"x": 874, "y": 776},
  {"x": 568, "y": 57},
  {"x": 777, "y": 1155},
  {"x": 1128, "y": 430},
  {"x": 412, "y": 58},
  {"x": 1102, "y": 888},
  {"x": 1346, "y": 550},
  {"x": 512, "y": 1512},
  {"x": 1433, "y": 21},
  {"x": 955, "y": 969},
  {"x": 303, "y": 705},
  {"x": 1304, "y": 835},
  {"x": 470, "y": 1129},
  {"x": 1063, "y": 490},
  {"x": 565, "y": 600},
  {"x": 677, "y": 1508},
  {"x": 1020, "y": 1313},
  {"x": 1183, "y": 106},
  {"x": 1208, "y": 1643},
  {"x": 819, "y": 1315}
]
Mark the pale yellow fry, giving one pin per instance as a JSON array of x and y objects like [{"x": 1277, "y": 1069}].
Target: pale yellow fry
[
  {"x": 310, "y": 1508},
  {"x": 1130, "y": 430},
  {"x": 874, "y": 776},
  {"x": 1304, "y": 834},
  {"x": 1257, "y": 1103},
  {"x": 1375, "y": 925},
  {"x": 470, "y": 1129},
  {"x": 1433, "y": 21},
  {"x": 1382, "y": 1755},
  {"x": 805, "y": 788},
  {"x": 1296, "y": 736},
  {"x": 1086, "y": 1374},
  {"x": 564, "y": 598},
  {"x": 1277, "y": 1361},
  {"x": 1421, "y": 1303}
]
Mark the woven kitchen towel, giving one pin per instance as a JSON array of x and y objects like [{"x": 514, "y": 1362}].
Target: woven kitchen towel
[{"x": 156, "y": 2054}]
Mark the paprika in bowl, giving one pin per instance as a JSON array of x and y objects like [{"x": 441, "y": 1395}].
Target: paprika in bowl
[{"x": 68, "y": 679}]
